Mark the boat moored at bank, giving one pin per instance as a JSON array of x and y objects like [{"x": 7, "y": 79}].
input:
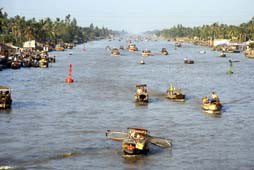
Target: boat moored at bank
[{"x": 5, "y": 97}]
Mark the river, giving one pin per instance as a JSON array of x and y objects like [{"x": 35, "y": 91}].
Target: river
[{"x": 54, "y": 125}]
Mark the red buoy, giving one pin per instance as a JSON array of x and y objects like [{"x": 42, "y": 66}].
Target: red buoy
[{"x": 69, "y": 78}]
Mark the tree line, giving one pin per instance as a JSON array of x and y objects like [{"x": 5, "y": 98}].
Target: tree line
[
  {"x": 18, "y": 29},
  {"x": 241, "y": 33}
]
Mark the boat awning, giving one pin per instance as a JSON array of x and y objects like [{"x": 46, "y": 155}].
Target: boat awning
[
  {"x": 4, "y": 88},
  {"x": 141, "y": 85},
  {"x": 29, "y": 44}
]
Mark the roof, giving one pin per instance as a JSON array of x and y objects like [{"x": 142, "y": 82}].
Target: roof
[
  {"x": 141, "y": 85},
  {"x": 4, "y": 88},
  {"x": 115, "y": 49},
  {"x": 138, "y": 129},
  {"x": 29, "y": 44},
  {"x": 146, "y": 51}
]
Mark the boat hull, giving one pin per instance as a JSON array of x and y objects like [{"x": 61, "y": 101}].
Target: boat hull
[
  {"x": 142, "y": 98},
  {"x": 188, "y": 62},
  {"x": 212, "y": 108},
  {"x": 131, "y": 147},
  {"x": 146, "y": 54}
]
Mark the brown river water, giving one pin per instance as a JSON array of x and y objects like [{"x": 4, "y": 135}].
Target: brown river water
[{"x": 54, "y": 125}]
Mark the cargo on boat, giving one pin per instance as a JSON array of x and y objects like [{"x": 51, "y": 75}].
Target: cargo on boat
[
  {"x": 233, "y": 49},
  {"x": 175, "y": 94},
  {"x": 141, "y": 95},
  {"x": 164, "y": 51},
  {"x": 5, "y": 97},
  {"x": 146, "y": 53},
  {"x": 136, "y": 141},
  {"x": 132, "y": 48},
  {"x": 115, "y": 52}
]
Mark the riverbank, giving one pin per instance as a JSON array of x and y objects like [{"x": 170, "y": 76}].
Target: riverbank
[{"x": 221, "y": 45}]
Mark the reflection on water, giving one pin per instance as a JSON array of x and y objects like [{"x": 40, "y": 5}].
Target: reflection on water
[{"x": 53, "y": 125}]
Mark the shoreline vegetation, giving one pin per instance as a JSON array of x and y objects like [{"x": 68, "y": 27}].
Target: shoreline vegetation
[
  {"x": 242, "y": 33},
  {"x": 26, "y": 42},
  {"x": 17, "y": 30},
  {"x": 221, "y": 37}
]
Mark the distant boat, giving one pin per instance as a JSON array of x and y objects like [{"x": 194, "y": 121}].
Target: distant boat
[
  {"x": 142, "y": 62},
  {"x": 146, "y": 53}
]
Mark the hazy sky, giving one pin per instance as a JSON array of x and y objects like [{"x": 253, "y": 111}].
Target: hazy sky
[{"x": 136, "y": 15}]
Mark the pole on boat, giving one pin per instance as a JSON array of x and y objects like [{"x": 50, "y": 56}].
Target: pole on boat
[
  {"x": 69, "y": 79},
  {"x": 230, "y": 70}
]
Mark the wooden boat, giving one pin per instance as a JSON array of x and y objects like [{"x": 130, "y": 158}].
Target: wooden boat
[
  {"x": 27, "y": 62},
  {"x": 230, "y": 71},
  {"x": 251, "y": 56},
  {"x": 142, "y": 62},
  {"x": 5, "y": 97},
  {"x": 3, "y": 59},
  {"x": 141, "y": 95},
  {"x": 115, "y": 52},
  {"x": 132, "y": 48},
  {"x": 178, "y": 45},
  {"x": 233, "y": 49},
  {"x": 43, "y": 63},
  {"x": 222, "y": 54},
  {"x": 146, "y": 53},
  {"x": 249, "y": 53},
  {"x": 15, "y": 64},
  {"x": 211, "y": 106},
  {"x": 175, "y": 94},
  {"x": 35, "y": 63},
  {"x": 59, "y": 48},
  {"x": 136, "y": 141},
  {"x": 188, "y": 61},
  {"x": 68, "y": 45},
  {"x": 52, "y": 59},
  {"x": 164, "y": 51}
]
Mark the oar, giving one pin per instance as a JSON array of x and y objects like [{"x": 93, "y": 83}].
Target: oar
[
  {"x": 163, "y": 143},
  {"x": 116, "y": 136}
]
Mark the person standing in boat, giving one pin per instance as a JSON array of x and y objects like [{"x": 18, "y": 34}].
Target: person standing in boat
[
  {"x": 171, "y": 89},
  {"x": 215, "y": 98}
]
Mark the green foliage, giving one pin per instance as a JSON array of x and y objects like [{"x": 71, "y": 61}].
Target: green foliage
[
  {"x": 17, "y": 30},
  {"x": 243, "y": 32}
]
